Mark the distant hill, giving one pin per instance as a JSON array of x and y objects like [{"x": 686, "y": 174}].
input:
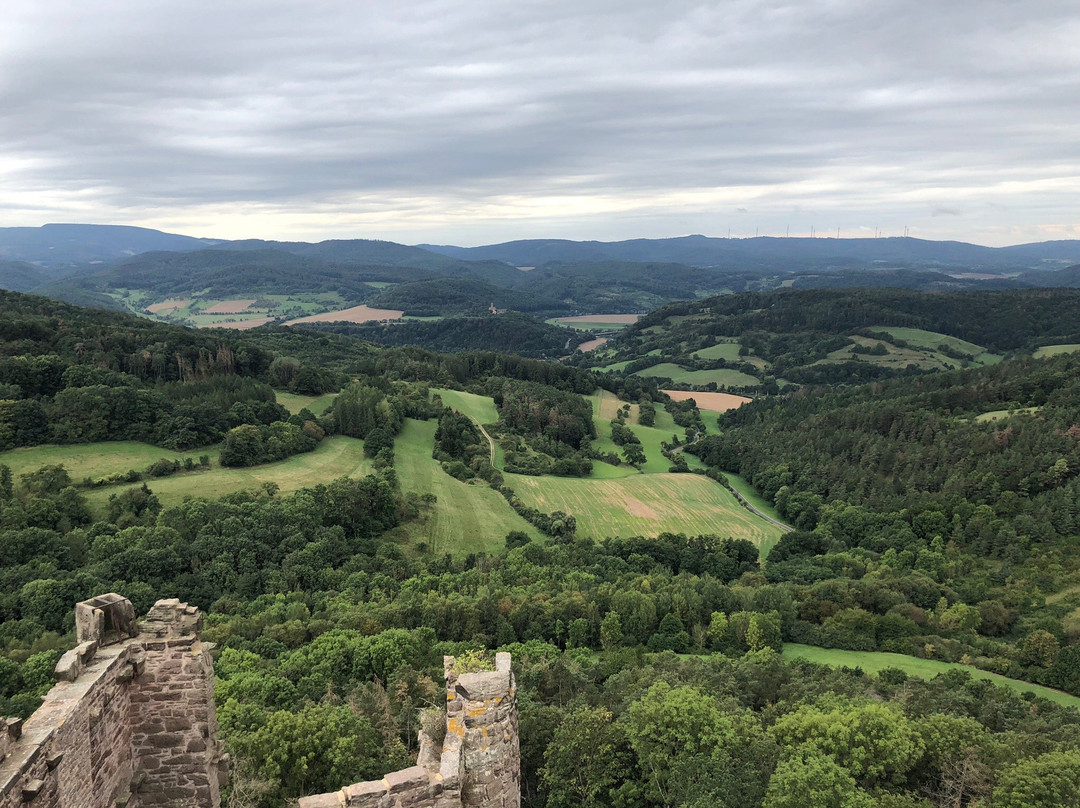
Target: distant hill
[
  {"x": 19, "y": 276},
  {"x": 56, "y": 245},
  {"x": 774, "y": 252}
]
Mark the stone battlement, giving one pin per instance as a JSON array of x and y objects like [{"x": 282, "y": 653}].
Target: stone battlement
[
  {"x": 477, "y": 765},
  {"x": 130, "y": 722}
]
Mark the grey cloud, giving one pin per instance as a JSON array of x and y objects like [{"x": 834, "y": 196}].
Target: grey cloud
[{"x": 863, "y": 111}]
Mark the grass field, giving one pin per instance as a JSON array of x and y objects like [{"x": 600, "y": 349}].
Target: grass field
[
  {"x": 996, "y": 415},
  {"x": 95, "y": 460},
  {"x": 728, "y": 351},
  {"x": 605, "y": 405},
  {"x": 646, "y": 505},
  {"x": 932, "y": 341},
  {"x": 750, "y": 494},
  {"x": 1054, "y": 350},
  {"x": 596, "y": 322},
  {"x": 874, "y": 661},
  {"x": 465, "y": 518},
  {"x": 335, "y": 457},
  {"x": 725, "y": 377},
  {"x": 294, "y": 402}
]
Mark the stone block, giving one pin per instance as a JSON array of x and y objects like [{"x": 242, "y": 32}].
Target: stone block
[
  {"x": 407, "y": 779},
  {"x": 483, "y": 686}
]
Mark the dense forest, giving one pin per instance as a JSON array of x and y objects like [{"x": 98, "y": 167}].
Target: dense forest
[{"x": 936, "y": 516}]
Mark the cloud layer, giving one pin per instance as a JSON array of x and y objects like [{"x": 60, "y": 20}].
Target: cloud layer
[{"x": 479, "y": 121}]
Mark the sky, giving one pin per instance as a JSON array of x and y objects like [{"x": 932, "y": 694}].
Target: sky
[{"x": 471, "y": 122}]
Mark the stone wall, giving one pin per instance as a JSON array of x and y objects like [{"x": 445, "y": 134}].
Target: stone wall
[
  {"x": 477, "y": 765},
  {"x": 130, "y": 722}
]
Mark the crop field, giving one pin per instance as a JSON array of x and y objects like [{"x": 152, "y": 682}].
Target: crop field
[
  {"x": 355, "y": 314},
  {"x": 229, "y": 307},
  {"x": 874, "y": 661},
  {"x": 592, "y": 344},
  {"x": 335, "y": 457},
  {"x": 725, "y": 377},
  {"x": 1054, "y": 350},
  {"x": 647, "y": 505},
  {"x": 713, "y": 402},
  {"x": 294, "y": 402},
  {"x": 167, "y": 305},
  {"x": 95, "y": 460},
  {"x": 597, "y": 322},
  {"x": 465, "y": 518}
]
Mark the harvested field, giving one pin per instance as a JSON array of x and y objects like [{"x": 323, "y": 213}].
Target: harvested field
[
  {"x": 646, "y": 505},
  {"x": 713, "y": 402},
  {"x": 356, "y": 314},
  {"x": 240, "y": 325},
  {"x": 592, "y": 344},
  {"x": 167, "y": 305},
  {"x": 229, "y": 307}
]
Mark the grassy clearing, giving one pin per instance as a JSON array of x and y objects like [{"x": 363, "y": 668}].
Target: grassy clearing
[
  {"x": 874, "y": 661},
  {"x": 996, "y": 415},
  {"x": 933, "y": 341},
  {"x": 725, "y": 377},
  {"x": 95, "y": 460},
  {"x": 605, "y": 405},
  {"x": 465, "y": 518},
  {"x": 1054, "y": 350},
  {"x": 294, "y": 402},
  {"x": 646, "y": 505},
  {"x": 728, "y": 351},
  {"x": 480, "y": 408},
  {"x": 335, "y": 457}
]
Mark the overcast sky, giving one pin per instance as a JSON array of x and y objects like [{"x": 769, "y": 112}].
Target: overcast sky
[{"x": 468, "y": 121}]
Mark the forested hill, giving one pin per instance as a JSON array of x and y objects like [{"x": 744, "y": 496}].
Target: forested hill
[
  {"x": 1000, "y": 321},
  {"x": 757, "y": 342}
]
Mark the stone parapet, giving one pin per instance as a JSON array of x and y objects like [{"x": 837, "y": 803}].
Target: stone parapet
[
  {"x": 130, "y": 722},
  {"x": 478, "y": 764}
]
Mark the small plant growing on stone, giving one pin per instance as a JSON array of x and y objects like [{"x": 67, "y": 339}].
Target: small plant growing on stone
[
  {"x": 473, "y": 662},
  {"x": 433, "y": 723}
]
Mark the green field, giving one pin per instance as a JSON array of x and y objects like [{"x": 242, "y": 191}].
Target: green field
[
  {"x": 95, "y": 460},
  {"x": 465, "y": 518},
  {"x": 294, "y": 402},
  {"x": 874, "y": 661},
  {"x": 750, "y": 494},
  {"x": 931, "y": 340},
  {"x": 335, "y": 457},
  {"x": 724, "y": 377},
  {"x": 646, "y": 505},
  {"x": 728, "y": 351},
  {"x": 605, "y": 405},
  {"x": 1054, "y": 350},
  {"x": 995, "y": 415},
  {"x": 480, "y": 408}
]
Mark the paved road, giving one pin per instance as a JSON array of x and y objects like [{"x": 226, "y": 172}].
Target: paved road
[{"x": 753, "y": 510}]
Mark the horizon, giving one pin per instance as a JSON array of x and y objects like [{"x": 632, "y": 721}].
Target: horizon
[{"x": 421, "y": 244}]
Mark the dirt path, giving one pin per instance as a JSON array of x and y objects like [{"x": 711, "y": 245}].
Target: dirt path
[
  {"x": 753, "y": 510},
  {"x": 491, "y": 442}
]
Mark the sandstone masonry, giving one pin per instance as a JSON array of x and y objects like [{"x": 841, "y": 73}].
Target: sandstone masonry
[
  {"x": 478, "y": 764},
  {"x": 130, "y": 723}
]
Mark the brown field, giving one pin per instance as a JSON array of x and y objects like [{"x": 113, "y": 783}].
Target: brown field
[
  {"x": 592, "y": 344},
  {"x": 357, "y": 314},
  {"x": 166, "y": 305},
  {"x": 240, "y": 325},
  {"x": 714, "y": 402},
  {"x": 614, "y": 319},
  {"x": 229, "y": 307}
]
